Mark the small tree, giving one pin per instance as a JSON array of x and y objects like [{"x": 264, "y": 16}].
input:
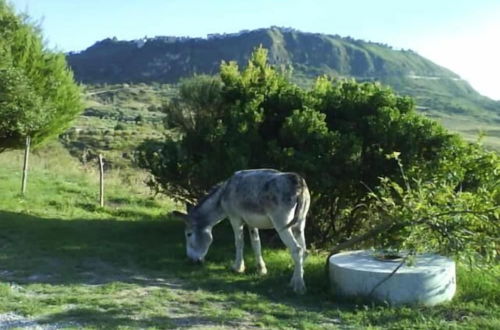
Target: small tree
[{"x": 38, "y": 96}]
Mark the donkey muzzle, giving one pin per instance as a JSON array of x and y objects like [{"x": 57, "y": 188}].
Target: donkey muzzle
[{"x": 196, "y": 261}]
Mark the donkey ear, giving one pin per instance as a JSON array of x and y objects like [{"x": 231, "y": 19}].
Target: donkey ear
[
  {"x": 179, "y": 215},
  {"x": 189, "y": 207}
]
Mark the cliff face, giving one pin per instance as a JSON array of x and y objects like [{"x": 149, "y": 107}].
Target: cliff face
[
  {"x": 306, "y": 55},
  {"x": 167, "y": 59}
]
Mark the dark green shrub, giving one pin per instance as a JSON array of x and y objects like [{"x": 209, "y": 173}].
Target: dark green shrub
[
  {"x": 120, "y": 127},
  {"x": 337, "y": 135}
]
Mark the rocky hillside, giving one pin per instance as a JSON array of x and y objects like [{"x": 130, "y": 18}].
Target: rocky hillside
[{"x": 306, "y": 55}]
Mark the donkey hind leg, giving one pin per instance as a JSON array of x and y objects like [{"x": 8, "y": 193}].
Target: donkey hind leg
[
  {"x": 297, "y": 252},
  {"x": 239, "y": 242},
  {"x": 255, "y": 239},
  {"x": 298, "y": 233}
]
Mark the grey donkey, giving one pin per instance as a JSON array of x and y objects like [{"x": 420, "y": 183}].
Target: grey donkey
[{"x": 260, "y": 199}]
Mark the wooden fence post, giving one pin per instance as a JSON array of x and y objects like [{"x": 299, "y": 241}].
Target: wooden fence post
[
  {"x": 101, "y": 181},
  {"x": 25, "y": 166}
]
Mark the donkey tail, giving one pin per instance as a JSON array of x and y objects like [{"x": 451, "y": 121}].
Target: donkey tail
[{"x": 303, "y": 201}]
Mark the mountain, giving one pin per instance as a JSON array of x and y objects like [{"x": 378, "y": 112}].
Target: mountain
[{"x": 437, "y": 90}]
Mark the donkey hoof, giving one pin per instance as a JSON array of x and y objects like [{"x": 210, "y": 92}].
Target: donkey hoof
[
  {"x": 238, "y": 269},
  {"x": 262, "y": 271},
  {"x": 298, "y": 286}
]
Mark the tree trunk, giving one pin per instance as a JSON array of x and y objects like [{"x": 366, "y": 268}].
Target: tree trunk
[
  {"x": 101, "y": 181},
  {"x": 25, "y": 166}
]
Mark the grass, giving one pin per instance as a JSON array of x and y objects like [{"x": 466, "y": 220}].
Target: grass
[
  {"x": 65, "y": 261},
  {"x": 473, "y": 130}
]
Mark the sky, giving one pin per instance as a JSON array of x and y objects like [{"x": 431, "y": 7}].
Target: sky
[{"x": 461, "y": 35}]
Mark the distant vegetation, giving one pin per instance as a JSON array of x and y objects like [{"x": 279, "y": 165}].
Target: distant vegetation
[{"x": 116, "y": 120}]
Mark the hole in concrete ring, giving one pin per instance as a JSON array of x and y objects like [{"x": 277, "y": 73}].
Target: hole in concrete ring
[{"x": 389, "y": 256}]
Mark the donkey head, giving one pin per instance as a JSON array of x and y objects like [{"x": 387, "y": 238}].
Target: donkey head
[{"x": 198, "y": 235}]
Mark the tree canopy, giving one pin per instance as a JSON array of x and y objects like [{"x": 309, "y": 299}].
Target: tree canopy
[{"x": 38, "y": 96}]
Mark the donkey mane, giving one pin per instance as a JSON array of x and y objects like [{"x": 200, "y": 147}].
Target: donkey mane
[{"x": 210, "y": 193}]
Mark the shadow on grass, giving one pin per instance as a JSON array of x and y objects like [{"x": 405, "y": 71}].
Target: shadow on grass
[
  {"x": 120, "y": 318},
  {"x": 105, "y": 319},
  {"x": 117, "y": 319},
  {"x": 120, "y": 212},
  {"x": 151, "y": 253},
  {"x": 66, "y": 249},
  {"x": 93, "y": 251}
]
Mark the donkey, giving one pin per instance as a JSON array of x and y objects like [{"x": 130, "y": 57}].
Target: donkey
[{"x": 260, "y": 199}]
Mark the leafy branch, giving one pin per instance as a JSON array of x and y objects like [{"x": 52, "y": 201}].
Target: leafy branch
[{"x": 412, "y": 218}]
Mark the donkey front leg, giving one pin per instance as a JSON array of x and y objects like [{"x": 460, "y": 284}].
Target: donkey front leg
[
  {"x": 255, "y": 239},
  {"x": 297, "y": 252},
  {"x": 239, "y": 242}
]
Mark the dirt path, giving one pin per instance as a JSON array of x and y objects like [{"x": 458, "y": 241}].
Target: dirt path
[
  {"x": 180, "y": 310},
  {"x": 12, "y": 320}
]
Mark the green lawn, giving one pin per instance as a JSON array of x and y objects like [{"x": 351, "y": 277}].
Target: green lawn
[{"x": 66, "y": 262}]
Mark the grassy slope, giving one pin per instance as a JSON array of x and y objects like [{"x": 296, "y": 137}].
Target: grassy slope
[
  {"x": 64, "y": 260},
  {"x": 116, "y": 120}
]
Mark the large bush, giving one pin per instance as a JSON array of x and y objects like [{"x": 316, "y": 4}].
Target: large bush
[{"x": 337, "y": 135}]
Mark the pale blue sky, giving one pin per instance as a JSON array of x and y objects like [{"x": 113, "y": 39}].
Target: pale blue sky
[{"x": 462, "y": 35}]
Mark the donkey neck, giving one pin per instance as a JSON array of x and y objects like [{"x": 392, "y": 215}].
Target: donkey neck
[{"x": 208, "y": 211}]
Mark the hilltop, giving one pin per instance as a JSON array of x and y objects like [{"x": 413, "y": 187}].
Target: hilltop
[
  {"x": 167, "y": 59},
  {"x": 438, "y": 91}
]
